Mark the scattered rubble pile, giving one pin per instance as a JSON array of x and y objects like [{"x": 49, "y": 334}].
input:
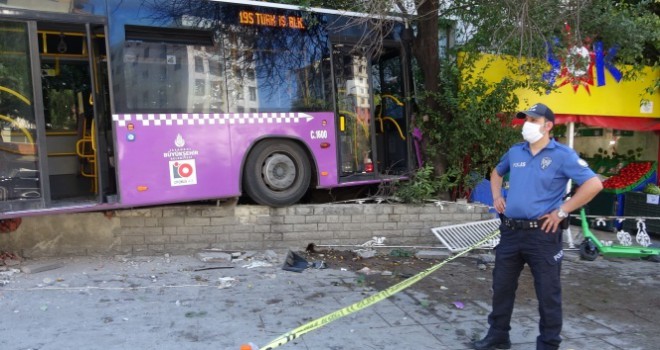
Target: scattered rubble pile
[
  {"x": 398, "y": 262},
  {"x": 9, "y": 259},
  {"x": 247, "y": 259},
  {"x": 449, "y": 285},
  {"x": 7, "y": 263},
  {"x": 293, "y": 261},
  {"x": 223, "y": 259}
]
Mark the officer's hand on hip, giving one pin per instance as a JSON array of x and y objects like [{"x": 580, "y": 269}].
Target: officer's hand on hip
[
  {"x": 499, "y": 204},
  {"x": 551, "y": 221}
]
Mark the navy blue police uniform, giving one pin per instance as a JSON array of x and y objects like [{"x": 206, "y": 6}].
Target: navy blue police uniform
[{"x": 537, "y": 187}]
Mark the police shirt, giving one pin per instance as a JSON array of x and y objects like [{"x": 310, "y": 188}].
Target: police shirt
[{"x": 537, "y": 184}]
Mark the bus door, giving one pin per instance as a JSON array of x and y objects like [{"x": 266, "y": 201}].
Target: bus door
[
  {"x": 390, "y": 112},
  {"x": 20, "y": 180},
  {"x": 371, "y": 115},
  {"x": 354, "y": 112},
  {"x": 54, "y": 114},
  {"x": 75, "y": 105}
]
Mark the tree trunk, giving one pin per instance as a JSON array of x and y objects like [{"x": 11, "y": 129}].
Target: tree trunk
[{"x": 426, "y": 52}]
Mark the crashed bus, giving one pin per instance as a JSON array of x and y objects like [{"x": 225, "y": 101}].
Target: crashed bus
[{"x": 108, "y": 104}]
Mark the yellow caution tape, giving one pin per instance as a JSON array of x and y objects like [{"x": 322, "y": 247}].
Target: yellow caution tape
[{"x": 364, "y": 303}]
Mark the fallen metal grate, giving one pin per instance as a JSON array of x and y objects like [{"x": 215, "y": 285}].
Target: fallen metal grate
[{"x": 463, "y": 236}]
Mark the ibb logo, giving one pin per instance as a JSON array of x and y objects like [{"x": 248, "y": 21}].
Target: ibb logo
[{"x": 181, "y": 170}]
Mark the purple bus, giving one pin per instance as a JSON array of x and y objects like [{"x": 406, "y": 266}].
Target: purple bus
[{"x": 109, "y": 103}]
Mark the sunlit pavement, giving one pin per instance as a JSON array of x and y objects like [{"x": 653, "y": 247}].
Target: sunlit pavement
[{"x": 162, "y": 302}]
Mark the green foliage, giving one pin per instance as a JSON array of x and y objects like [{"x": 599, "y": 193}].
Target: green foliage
[
  {"x": 633, "y": 27},
  {"x": 62, "y": 116},
  {"x": 401, "y": 253},
  {"x": 523, "y": 29},
  {"x": 331, "y": 4},
  {"x": 466, "y": 120},
  {"x": 630, "y": 155},
  {"x": 360, "y": 280},
  {"x": 473, "y": 130},
  {"x": 559, "y": 130},
  {"x": 14, "y": 70},
  {"x": 420, "y": 187}
]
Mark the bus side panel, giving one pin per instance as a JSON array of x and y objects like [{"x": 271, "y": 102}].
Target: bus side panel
[
  {"x": 165, "y": 158},
  {"x": 315, "y": 129}
]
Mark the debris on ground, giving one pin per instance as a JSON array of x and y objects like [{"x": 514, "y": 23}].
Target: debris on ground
[
  {"x": 213, "y": 257},
  {"x": 295, "y": 262},
  {"x": 366, "y": 253},
  {"x": 257, "y": 264},
  {"x": 374, "y": 242},
  {"x": 224, "y": 259},
  {"x": 191, "y": 314},
  {"x": 5, "y": 274},
  {"x": 486, "y": 258},
  {"x": 389, "y": 267},
  {"x": 367, "y": 271},
  {"x": 12, "y": 262},
  {"x": 226, "y": 282},
  {"x": 318, "y": 265},
  {"x": 271, "y": 256},
  {"x": 432, "y": 254},
  {"x": 214, "y": 268},
  {"x": 36, "y": 268},
  {"x": 9, "y": 259}
]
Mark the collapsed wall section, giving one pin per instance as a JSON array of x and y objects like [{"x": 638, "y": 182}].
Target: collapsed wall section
[{"x": 185, "y": 229}]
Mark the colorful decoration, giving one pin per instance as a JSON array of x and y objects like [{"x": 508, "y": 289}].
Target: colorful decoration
[
  {"x": 576, "y": 62},
  {"x": 605, "y": 61}
]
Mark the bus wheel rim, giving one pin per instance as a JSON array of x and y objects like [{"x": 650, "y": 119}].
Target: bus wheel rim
[{"x": 279, "y": 172}]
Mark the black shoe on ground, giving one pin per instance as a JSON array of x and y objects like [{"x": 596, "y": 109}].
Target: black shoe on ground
[{"x": 490, "y": 343}]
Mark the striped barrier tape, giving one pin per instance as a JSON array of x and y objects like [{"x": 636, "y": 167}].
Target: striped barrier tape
[{"x": 364, "y": 303}]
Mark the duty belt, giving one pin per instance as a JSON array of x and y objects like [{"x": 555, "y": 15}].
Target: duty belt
[{"x": 516, "y": 224}]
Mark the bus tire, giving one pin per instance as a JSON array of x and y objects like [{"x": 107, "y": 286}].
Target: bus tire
[{"x": 277, "y": 173}]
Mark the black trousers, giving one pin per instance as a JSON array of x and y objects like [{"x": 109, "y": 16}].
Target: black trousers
[{"x": 543, "y": 253}]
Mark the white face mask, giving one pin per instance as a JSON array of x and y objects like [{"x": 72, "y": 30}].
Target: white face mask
[{"x": 532, "y": 132}]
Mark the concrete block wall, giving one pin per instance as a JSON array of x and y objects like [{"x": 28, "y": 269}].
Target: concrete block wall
[{"x": 185, "y": 229}]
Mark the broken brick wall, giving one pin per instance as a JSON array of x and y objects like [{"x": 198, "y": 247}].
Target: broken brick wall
[{"x": 188, "y": 228}]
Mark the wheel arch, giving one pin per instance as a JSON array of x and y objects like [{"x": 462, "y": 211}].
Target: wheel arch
[{"x": 308, "y": 152}]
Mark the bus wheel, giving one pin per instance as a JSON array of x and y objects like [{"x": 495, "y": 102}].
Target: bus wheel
[{"x": 277, "y": 173}]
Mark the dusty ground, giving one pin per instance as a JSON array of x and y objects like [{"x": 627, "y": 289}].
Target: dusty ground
[
  {"x": 179, "y": 302},
  {"x": 403, "y": 264},
  {"x": 627, "y": 288}
]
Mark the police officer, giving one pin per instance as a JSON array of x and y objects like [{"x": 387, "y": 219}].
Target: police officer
[{"x": 531, "y": 231}]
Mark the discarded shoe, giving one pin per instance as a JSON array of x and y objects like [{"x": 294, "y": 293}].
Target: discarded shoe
[{"x": 490, "y": 343}]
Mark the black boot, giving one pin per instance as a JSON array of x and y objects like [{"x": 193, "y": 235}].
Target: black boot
[{"x": 492, "y": 343}]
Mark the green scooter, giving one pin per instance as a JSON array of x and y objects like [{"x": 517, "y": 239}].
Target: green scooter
[{"x": 592, "y": 246}]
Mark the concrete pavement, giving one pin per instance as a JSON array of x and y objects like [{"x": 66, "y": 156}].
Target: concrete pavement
[{"x": 162, "y": 302}]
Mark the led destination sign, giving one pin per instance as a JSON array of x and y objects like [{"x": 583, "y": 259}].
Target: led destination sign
[{"x": 253, "y": 18}]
